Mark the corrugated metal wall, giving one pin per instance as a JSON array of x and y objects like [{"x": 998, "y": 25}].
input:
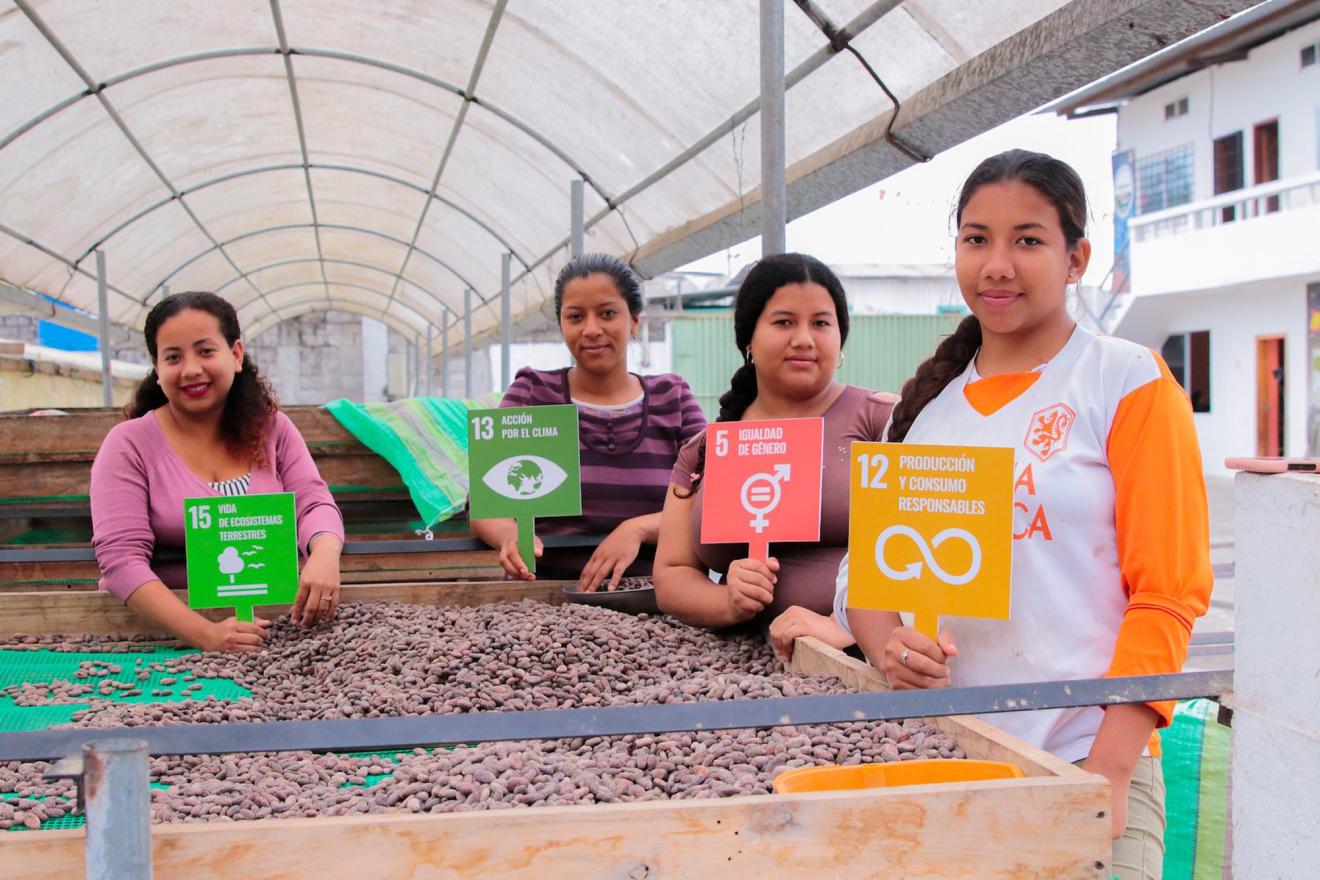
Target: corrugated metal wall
[{"x": 882, "y": 351}]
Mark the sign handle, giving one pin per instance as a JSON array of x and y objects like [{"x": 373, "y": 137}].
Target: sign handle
[
  {"x": 927, "y": 623},
  {"x": 245, "y": 613},
  {"x": 527, "y": 541},
  {"x": 758, "y": 550}
]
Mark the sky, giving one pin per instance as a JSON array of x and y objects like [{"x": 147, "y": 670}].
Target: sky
[{"x": 907, "y": 218}]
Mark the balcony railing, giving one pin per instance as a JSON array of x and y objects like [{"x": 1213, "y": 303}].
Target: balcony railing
[{"x": 1239, "y": 206}]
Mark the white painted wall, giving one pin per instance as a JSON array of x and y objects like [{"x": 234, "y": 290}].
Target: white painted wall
[
  {"x": 1276, "y": 678},
  {"x": 1272, "y": 246},
  {"x": 1226, "y": 98},
  {"x": 1235, "y": 316}
]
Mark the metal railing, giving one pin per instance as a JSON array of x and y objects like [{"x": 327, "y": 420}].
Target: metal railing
[{"x": 1241, "y": 205}]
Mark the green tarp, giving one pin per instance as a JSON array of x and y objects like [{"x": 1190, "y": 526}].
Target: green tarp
[{"x": 425, "y": 439}]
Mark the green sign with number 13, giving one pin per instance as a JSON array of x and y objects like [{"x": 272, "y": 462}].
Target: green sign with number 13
[{"x": 524, "y": 462}]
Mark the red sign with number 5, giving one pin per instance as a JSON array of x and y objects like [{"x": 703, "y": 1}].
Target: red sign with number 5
[{"x": 762, "y": 483}]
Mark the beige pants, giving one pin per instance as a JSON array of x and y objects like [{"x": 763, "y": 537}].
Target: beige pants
[{"x": 1139, "y": 853}]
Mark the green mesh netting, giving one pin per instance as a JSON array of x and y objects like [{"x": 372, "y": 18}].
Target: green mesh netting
[{"x": 19, "y": 667}]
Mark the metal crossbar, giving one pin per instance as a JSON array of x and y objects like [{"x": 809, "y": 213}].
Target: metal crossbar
[{"x": 375, "y": 734}]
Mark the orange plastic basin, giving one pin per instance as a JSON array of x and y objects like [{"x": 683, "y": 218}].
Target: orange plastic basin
[{"x": 836, "y": 777}]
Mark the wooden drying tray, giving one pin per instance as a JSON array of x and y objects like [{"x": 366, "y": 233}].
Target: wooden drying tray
[
  {"x": 1052, "y": 823},
  {"x": 45, "y": 461}
]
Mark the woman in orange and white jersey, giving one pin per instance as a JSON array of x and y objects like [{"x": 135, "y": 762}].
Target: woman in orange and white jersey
[{"x": 1111, "y": 558}]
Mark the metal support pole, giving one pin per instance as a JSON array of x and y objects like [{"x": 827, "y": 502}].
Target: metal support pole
[
  {"x": 430, "y": 357},
  {"x": 118, "y": 804},
  {"x": 506, "y": 324},
  {"x": 103, "y": 322},
  {"x": 577, "y": 213},
  {"x": 467, "y": 343},
  {"x": 444, "y": 356},
  {"x": 774, "y": 195}
]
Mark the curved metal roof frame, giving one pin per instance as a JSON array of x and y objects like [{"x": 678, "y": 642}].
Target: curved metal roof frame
[
  {"x": 359, "y": 264},
  {"x": 653, "y": 117},
  {"x": 339, "y": 227}
]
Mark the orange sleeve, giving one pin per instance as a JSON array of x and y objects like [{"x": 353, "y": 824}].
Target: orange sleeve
[{"x": 1163, "y": 526}]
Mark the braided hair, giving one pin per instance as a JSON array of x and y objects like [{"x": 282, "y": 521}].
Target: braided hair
[
  {"x": 764, "y": 279},
  {"x": 251, "y": 401},
  {"x": 1057, "y": 182}
]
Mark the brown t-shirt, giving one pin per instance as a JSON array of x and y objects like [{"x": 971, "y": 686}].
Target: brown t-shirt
[{"x": 807, "y": 572}]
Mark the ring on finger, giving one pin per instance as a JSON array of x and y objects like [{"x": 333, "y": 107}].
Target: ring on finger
[{"x": 902, "y": 658}]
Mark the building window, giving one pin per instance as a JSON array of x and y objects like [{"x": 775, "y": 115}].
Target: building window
[
  {"x": 1188, "y": 358},
  {"x": 1164, "y": 180},
  {"x": 1174, "y": 109},
  {"x": 1309, "y": 54}
]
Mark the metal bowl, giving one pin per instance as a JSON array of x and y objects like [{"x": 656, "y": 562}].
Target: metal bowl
[{"x": 636, "y": 601}]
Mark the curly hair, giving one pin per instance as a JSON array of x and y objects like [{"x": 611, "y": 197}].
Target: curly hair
[
  {"x": 763, "y": 280},
  {"x": 1057, "y": 182},
  {"x": 251, "y": 401}
]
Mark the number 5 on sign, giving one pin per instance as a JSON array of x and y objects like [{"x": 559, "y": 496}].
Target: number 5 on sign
[{"x": 930, "y": 531}]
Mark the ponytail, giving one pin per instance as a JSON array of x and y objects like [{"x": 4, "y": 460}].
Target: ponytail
[{"x": 951, "y": 357}]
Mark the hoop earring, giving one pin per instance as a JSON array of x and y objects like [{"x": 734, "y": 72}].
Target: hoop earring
[
  {"x": 840, "y": 366},
  {"x": 750, "y": 362}
]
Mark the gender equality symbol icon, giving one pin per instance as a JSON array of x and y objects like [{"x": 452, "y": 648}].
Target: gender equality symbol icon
[
  {"x": 762, "y": 483},
  {"x": 761, "y": 494},
  {"x": 930, "y": 531}
]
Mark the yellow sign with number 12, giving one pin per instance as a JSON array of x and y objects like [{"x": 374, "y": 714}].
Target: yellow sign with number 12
[{"x": 931, "y": 531}]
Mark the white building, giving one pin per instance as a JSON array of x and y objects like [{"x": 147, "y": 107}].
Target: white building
[{"x": 1217, "y": 191}]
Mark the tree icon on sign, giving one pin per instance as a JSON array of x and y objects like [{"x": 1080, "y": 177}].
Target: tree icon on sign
[{"x": 230, "y": 562}]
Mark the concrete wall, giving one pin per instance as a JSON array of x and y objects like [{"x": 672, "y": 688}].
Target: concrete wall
[
  {"x": 322, "y": 356},
  {"x": 1235, "y": 316},
  {"x": 1276, "y": 720}
]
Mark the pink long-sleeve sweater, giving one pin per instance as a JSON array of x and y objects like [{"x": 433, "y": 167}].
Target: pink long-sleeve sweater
[{"x": 139, "y": 484}]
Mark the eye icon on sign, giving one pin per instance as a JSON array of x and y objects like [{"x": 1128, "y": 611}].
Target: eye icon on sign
[
  {"x": 913, "y": 570},
  {"x": 524, "y": 477},
  {"x": 761, "y": 494}
]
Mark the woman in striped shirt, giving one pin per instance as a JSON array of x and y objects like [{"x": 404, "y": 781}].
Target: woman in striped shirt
[{"x": 630, "y": 426}]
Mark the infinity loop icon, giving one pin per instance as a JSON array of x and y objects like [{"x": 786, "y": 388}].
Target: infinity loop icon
[{"x": 913, "y": 570}]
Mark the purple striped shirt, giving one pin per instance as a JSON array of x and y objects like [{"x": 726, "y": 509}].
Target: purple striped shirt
[{"x": 627, "y": 454}]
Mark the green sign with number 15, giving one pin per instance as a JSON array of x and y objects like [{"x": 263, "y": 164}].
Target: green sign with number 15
[{"x": 242, "y": 551}]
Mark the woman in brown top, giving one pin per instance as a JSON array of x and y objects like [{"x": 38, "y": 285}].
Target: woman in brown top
[{"x": 790, "y": 323}]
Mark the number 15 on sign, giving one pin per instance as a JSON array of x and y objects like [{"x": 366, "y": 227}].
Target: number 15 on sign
[{"x": 931, "y": 531}]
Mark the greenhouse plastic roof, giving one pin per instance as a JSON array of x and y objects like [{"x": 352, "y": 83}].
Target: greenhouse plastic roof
[{"x": 301, "y": 155}]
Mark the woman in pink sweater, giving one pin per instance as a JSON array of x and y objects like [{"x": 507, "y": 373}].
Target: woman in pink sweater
[{"x": 203, "y": 422}]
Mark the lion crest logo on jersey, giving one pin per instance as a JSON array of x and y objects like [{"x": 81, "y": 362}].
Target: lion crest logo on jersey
[{"x": 1049, "y": 430}]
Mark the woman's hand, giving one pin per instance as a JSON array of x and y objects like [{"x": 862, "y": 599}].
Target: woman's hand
[
  {"x": 318, "y": 583},
  {"x": 234, "y": 636},
  {"x": 1120, "y": 780},
  {"x": 798, "y": 621},
  {"x": 612, "y": 558},
  {"x": 750, "y": 587},
  {"x": 512, "y": 562},
  {"x": 912, "y": 661}
]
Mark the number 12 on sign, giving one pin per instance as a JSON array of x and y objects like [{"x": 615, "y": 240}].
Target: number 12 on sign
[{"x": 930, "y": 531}]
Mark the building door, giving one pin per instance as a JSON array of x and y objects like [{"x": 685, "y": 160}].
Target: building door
[
  {"x": 1265, "y": 161},
  {"x": 1269, "y": 395},
  {"x": 1228, "y": 171}
]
